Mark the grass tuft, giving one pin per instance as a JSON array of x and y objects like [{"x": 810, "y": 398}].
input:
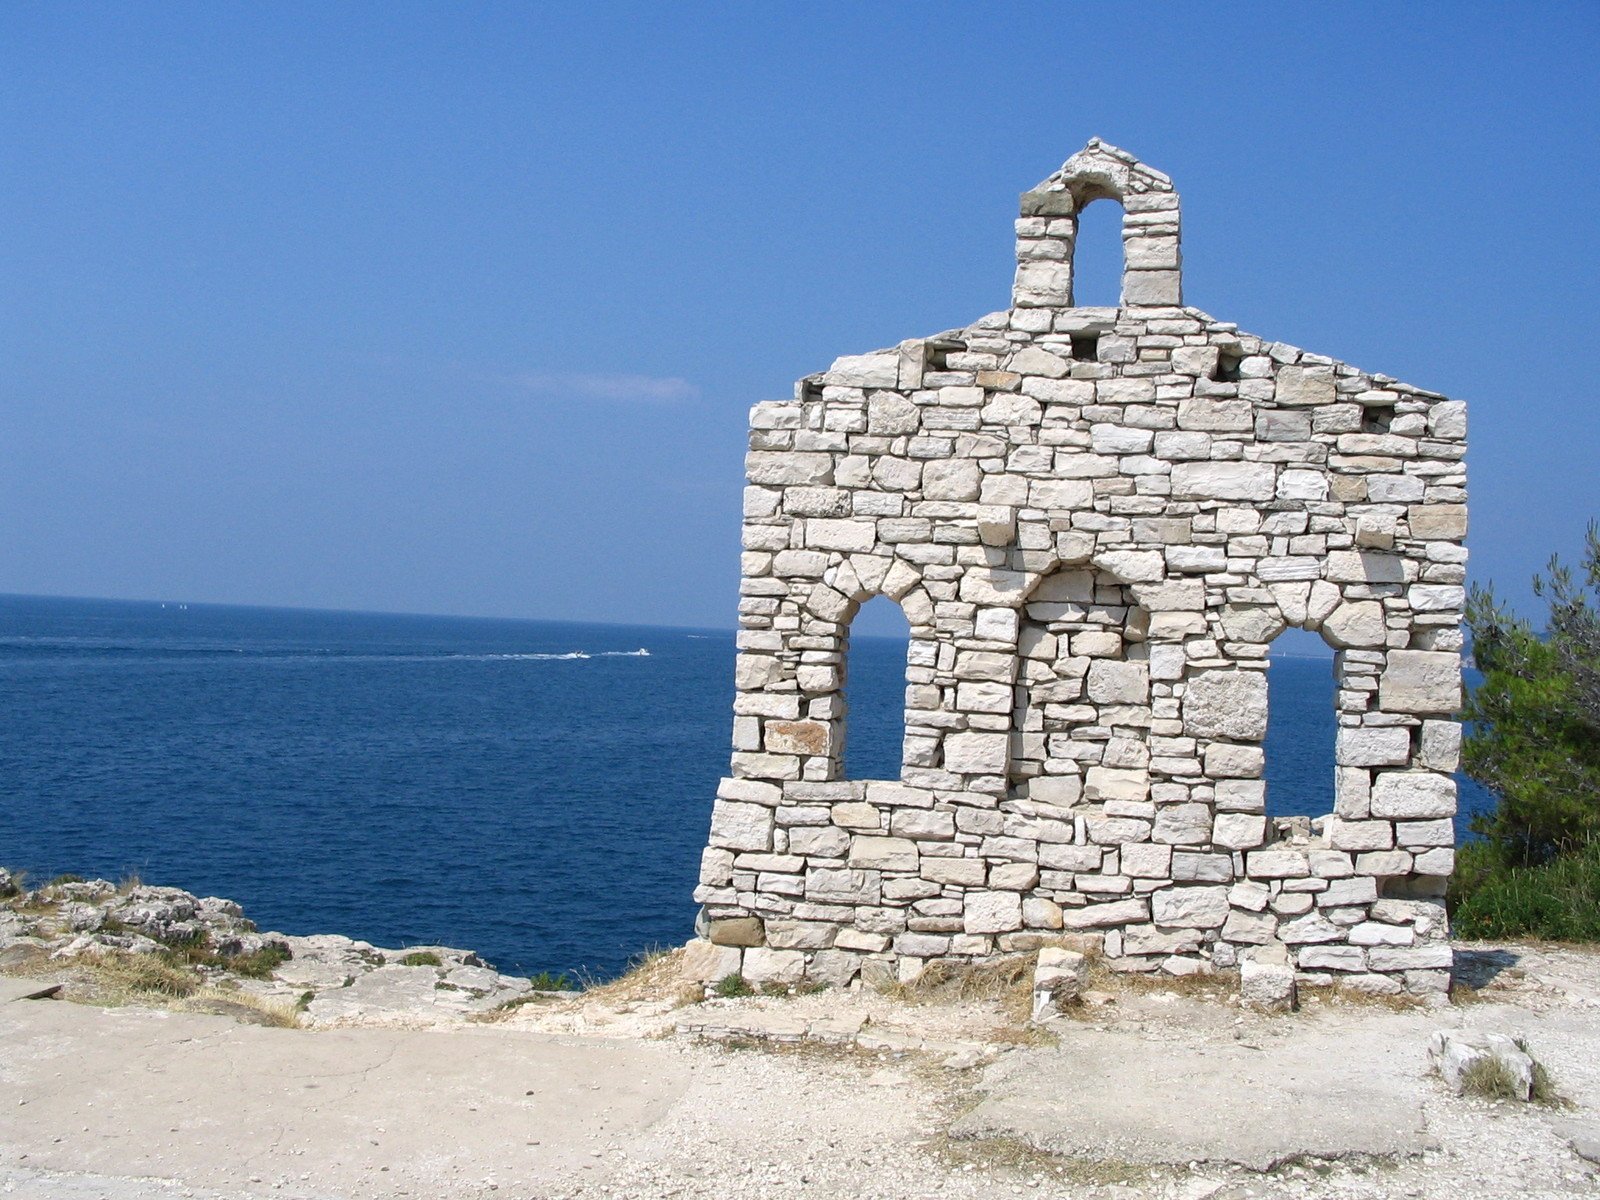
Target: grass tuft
[
  {"x": 1490, "y": 1079},
  {"x": 731, "y": 987},
  {"x": 422, "y": 958}
]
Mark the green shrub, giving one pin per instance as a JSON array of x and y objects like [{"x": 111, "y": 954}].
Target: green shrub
[
  {"x": 421, "y": 958},
  {"x": 730, "y": 987},
  {"x": 1559, "y": 900},
  {"x": 545, "y": 981}
]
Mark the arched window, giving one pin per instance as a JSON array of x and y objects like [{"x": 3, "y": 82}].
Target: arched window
[
  {"x": 1097, "y": 256},
  {"x": 1302, "y": 726},
  {"x": 875, "y": 691}
]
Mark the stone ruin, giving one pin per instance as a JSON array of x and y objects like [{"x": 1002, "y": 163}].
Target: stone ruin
[{"x": 1095, "y": 520}]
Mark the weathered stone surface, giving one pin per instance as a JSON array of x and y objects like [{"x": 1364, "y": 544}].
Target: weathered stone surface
[
  {"x": 1229, "y": 704},
  {"x": 1421, "y": 681}
]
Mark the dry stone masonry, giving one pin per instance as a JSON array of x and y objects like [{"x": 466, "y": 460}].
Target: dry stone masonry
[{"x": 1096, "y": 520}]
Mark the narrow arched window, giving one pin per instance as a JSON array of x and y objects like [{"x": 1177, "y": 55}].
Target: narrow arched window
[
  {"x": 1302, "y": 726},
  {"x": 1097, "y": 256},
  {"x": 875, "y": 691}
]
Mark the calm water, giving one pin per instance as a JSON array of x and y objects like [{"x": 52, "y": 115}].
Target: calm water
[{"x": 535, "y": 791}]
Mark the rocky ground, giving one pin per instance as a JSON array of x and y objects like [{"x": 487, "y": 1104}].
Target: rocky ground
[{"x": 448, "y": 1079}]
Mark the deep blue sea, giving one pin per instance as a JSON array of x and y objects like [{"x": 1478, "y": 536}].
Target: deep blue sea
[{"x": 536, "y": 791}]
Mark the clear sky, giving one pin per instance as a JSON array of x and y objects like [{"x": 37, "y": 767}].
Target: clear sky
[{"x": 459, "y": 307}]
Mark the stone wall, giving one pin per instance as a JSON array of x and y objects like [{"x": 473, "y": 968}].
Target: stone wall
[{"x": 1096, "y": 521}]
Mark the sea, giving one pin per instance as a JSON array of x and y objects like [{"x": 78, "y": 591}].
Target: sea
[{"x": 536, "y": 791}]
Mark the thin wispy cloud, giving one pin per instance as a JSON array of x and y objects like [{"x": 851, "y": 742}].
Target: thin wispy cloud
[{"x": 619, "y": 389}]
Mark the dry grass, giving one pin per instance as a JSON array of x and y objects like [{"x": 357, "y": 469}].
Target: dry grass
[
  {"x": 118, "y": 979},
  {"x": 1007, "y": 982},
  {"x": 1341, "y": 994},
  {"x": 1490, "y": 1079}
]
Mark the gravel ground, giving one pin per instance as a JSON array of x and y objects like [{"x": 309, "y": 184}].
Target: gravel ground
[{"x": 752, "y": 1120}]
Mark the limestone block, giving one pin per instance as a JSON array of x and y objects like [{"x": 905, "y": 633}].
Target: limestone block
[
  {"x": 922, "y": 824},
  {"x": 1439, "y": 861},
  {"x": 1303, "y": 485},
  {"x": 1365, "y": 566},
  {"x": 1013, "y": 877},
  {"x": 1360, "y": 835},
  {"x": 774, "y": 467},
  {"x": 1282, "y": 863},
  {"x": 1332, "y": 958},
  {"x": 1441, "y": 745},
  {"x": 835, "y": 967},
  {"x": 1266, "y": 985},
  {"x": 1457, "y": 1054},
  {"x": 852, "y": 814},
  {"x": 1039, "y": 913},
  {"x": 1252, "y": 622},
  {"x": 991, "y": 912},
  {"x": 1239, "y": 831},
  {"x": 1059, "y": 979},
  {"x": 951, "y": 479},
  {"x": 1436, "y": 957},
  {"x": 847, "y": 535},
  {"x": 977, "y": 753},
  {"x": 1112, "y": 783},
  {"x": 735, "y": 931},
  {"x": 993, "y": 586},
  {"x": 1356, "y": 624},
  {"x": 763, "y": 965},
  {"x": 1413, "y": 795},
  {"x": 889, "y": 415},
  {"x": 884, "y": 853},
  {"x": 826, "y": 841},
  {"x": 1155, "y": 288},
  {"x": 1226, "y": 703},
  {"x": 1224, "y": 760},
  {"x": 1113, "y": 682},
  {"x": 1426, "y": 597},
  {"x": 1206, "y": 415},
  {"x": 1448, "y": 419},
  {"x": 1120, "y": 439},
  {"x": 706, "y": 962},
  {"x": 1057, "y": 494},
  {"x": 1031, "y": 360},
  {"x": 1352, "y": 792},
  {"x": 800, "y": 935},
  {"x": 1133, "y": 566},
  {"x": 1105, "y": 916},
  {"x": 997, "y": 524},
  {"x": 1421, "y": 681},
  {"x": 1251, "y": 928},
  {"x": 1182, "y": 824},
  {"x": 1241, "y": 795},
  {"x": 796, "y": 737},
  {"x": 1372, "y": 746},
  {"x": 1445, "y": 522},
  {"x": 1384, "y": 864},
  {"x": 830, "y": 886},
  {"x": 1223, "y": 480},
  {"x": 960, "y": 872},
  {"x": 741, "y": 826},
  {"x": 1191, "y": 907},
  {"x": 1305, "y": 385}
]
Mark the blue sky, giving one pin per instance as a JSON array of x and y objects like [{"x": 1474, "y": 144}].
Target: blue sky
[{"x": 459, "y": 307}]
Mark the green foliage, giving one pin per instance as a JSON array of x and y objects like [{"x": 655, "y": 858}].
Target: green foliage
[
  {"x": 545, "y": 981},
  {"x": 1559, "y": 899},
  {"x": 1535, "y": 720},
  {"x": 421, "y": 958},
  {"x": 732, "y": 986}
]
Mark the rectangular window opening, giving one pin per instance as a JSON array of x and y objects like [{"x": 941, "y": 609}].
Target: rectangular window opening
[{"x": 1086, "y": 347}]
